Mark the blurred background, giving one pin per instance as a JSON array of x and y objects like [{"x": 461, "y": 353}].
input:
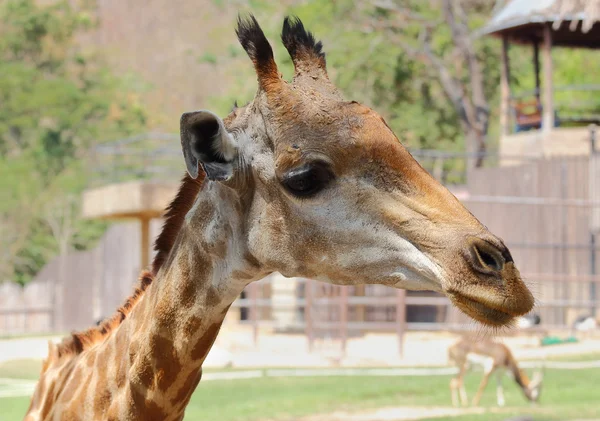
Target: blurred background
[{"x": 499, "y": 100}]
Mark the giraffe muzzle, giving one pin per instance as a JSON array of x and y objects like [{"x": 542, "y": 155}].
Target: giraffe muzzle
[{"x": 487, "y": 285}]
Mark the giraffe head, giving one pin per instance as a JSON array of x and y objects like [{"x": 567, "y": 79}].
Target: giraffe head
[{"x": 328, "y": 192}]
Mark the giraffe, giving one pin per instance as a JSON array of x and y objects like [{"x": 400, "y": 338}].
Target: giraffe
[{"x": 297, "y": 181}]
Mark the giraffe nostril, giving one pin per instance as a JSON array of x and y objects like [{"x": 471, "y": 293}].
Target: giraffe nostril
[{"x": 487, "y": 258}]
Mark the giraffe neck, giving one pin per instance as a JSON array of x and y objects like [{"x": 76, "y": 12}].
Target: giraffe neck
[
  {"x": 150, "y": 365},
  {"x": 180, "y": 318}
]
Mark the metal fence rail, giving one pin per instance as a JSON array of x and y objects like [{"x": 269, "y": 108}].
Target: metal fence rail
[{"x": 337, "y": 315}]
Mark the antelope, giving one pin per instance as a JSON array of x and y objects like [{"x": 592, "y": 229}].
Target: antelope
[{"x": 493, "y": 357}]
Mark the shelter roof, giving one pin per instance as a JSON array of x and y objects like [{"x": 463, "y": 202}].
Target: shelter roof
[{"x": 574, "y": 22}]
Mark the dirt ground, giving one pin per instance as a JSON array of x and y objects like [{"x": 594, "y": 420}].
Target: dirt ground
[
  {"x": 236, "y": 348},
  {"x": 401, "y": 413}
]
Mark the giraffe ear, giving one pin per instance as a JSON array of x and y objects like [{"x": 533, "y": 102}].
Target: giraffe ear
[{"x": 204, "y": 139}]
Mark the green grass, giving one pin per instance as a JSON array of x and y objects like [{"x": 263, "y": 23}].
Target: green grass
[
  {"x": 13, "y": 408},
  {"x": 566, "y": 395},
  {"x": 31, "y": 335},
  {"x": 592, "y": 356}
]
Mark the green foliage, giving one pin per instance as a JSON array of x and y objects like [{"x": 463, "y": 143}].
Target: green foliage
[
  {"x": 376, "y": 69},
  {"x": 55, "y": 102},
  {"x": 570, "y": 78},
  {"x": 209, "y": 58},
  {"x": 372, "y": 66}
]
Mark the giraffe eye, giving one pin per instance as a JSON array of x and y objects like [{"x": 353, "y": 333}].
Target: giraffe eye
[{"x": 307, "y": 180}]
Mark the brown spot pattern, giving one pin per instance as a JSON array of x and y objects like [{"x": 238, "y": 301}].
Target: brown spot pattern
[
  {"x": 192, "y": 326},
  {"x": 166, "y": 362},
  {"x": 202, "y": 348},
  {"x": 188, "y": 387}
]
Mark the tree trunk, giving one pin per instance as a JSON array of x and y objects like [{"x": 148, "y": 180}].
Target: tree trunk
[
  {"x": 466, "y": 94},
  {"x": 475, "y": 147}
]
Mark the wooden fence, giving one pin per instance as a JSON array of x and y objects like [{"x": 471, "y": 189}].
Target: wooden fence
[
  {"x": 89, "y": 286},
  {"x": 542, "y": 211}
]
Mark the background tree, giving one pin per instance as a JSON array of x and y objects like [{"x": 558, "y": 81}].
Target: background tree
[
  {"x": 55, "y": 102},
  {"x": 426, "y": 70},
  {"x": 456, "y": 65},
  {"x": 421, "y": 66},
  {"x": 404, "y": 59}
]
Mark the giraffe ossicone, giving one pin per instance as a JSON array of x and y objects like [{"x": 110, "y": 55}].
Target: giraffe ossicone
[{"x": 298, "y": 181}]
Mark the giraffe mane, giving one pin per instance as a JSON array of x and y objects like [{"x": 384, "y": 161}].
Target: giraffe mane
[
  {"x": 174, "y": 217},
  {"x": 77, "y": 342}
]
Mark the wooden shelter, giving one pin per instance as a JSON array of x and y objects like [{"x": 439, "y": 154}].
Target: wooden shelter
[
  {"x": 134, "y": 179},
  {"x": 543, "y": 24},
  {"x": 133, "y": 200}
]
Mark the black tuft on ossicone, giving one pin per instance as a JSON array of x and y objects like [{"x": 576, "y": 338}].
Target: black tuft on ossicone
[
  {"x": 253, "y": 40},
  {"x": 296, "y": 38}
]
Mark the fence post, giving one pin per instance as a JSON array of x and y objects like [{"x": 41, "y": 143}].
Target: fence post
[
  {"x": 594, "y": 184},
  {"x": 593, "y": 272},
  {"x": 401, "y": 319},
  {"x": 144, "y": 242},
  {"x": 308, "y": 315},
  {"x": 344, "y": 318},
  {"x": 52, "y": 315},
  {"x": 438, "y": 168},
  {"x": 254, "y": 311}
]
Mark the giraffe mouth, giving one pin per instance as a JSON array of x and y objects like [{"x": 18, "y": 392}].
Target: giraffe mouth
[{"x": 481, "y": 311}]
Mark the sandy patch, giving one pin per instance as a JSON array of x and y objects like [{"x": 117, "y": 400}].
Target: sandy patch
[{"x": 402, "y": 413}]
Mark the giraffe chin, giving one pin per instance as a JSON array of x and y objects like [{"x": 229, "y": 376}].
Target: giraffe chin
[{"x": 481, "y": 312}]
